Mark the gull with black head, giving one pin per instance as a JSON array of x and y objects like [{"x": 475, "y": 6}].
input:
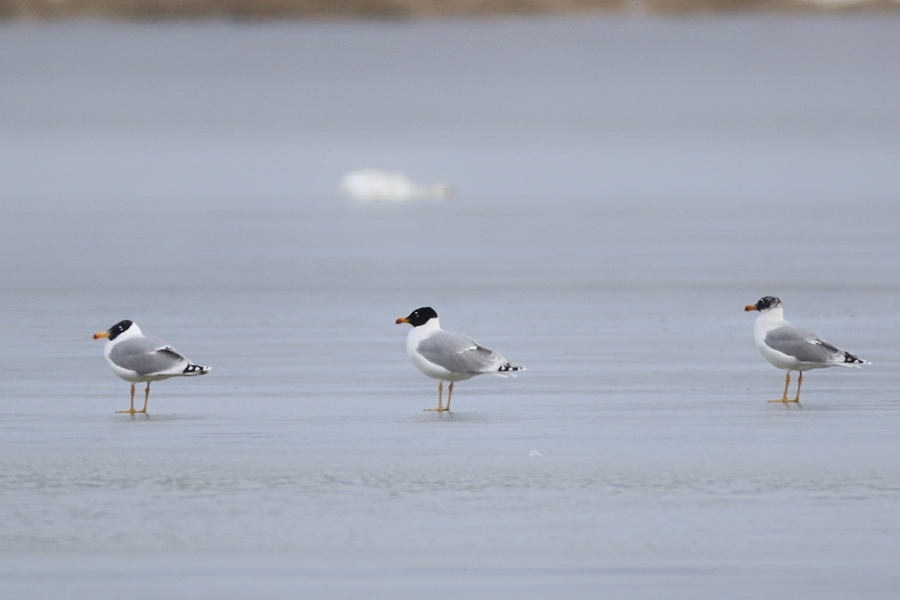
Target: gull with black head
[
  {"x": 791, "y": 348},
  {"x": 137, "y": 358},
  {"x": 447, "y": 356}
]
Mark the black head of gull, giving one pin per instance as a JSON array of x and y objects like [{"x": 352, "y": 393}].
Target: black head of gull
[
  {"x": 420, "y": 316},
  {"x": 115, "y": 331},
  {"x": 764, "y": 303}
]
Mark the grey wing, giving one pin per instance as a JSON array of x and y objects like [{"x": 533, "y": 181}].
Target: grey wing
[
  {"x": 457, "y": 353},
  {"x": 146, "y": 356},
  {"x": 803, "y": 345}
]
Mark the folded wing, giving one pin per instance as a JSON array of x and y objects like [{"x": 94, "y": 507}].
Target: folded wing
[
  {"x": 459, "y": 354},
  {"x": 147, "y": 356},
  {"x": 803, "y": 345}
]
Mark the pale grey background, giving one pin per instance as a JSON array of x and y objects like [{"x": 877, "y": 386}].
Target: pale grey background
[{"x": 624, "y": 188}]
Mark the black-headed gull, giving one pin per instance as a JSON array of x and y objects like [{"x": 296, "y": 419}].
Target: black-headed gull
[
  {"x": 447, "y": 356},
  {"x": 791, "y": 348},
  {"x": 137, "y": 358}
]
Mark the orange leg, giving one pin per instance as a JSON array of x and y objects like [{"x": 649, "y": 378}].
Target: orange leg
[
  {"x": 799, "y": 383},
  {"x": 131, "y": 410},
  {"x": 449, "y": 395},
  {"x": 146, "y": 398},
  {"x": 440, "y": 406},
  {"x": 787, "y": 382}
]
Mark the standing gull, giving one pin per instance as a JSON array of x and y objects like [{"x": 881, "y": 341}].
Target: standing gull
[
  {"x": 791, "y": 348},
  {"x": 136, "y": 358},
  {"x": 447, "y": 356}
]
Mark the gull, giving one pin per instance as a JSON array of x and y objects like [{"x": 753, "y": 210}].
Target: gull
[
  {"x": 791, "y": 348},
  {"x": 136, "y": 358},
  {"x": 374, "y": 184},
  {"x": 447, "y": 356}
]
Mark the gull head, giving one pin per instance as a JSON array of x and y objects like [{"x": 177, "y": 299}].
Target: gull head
[
  {"x": 420, "y": 316},
  {"x": 116, "y": 330},
  {"x": 765, "y": 303}
]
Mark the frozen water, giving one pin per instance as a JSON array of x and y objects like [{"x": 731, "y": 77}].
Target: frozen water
[{"x": 624, "y": 188}]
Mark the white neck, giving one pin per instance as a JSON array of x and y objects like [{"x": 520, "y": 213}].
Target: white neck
[
  {"x": 769, "y": 318},
  {"x": 417, "y": 334},
  {"x": 133, "y": 331},
  {"x": 430, "y": 325}
]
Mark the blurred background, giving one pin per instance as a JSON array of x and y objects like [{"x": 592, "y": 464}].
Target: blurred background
[
  {"x": 593, "y": 189},
  {"x": 267, "y": 9}
]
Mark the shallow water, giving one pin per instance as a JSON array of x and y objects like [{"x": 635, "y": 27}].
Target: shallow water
[{"x": 624, "y": 188}]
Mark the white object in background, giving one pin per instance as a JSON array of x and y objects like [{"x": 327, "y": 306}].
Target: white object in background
[{"x": 374, "y": 184}]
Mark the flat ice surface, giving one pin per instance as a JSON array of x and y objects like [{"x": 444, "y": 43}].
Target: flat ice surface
[{"x": 624, "y": 188}]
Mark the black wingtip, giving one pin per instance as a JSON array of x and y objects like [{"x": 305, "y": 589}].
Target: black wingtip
[
  {"x": 196, "y": 370},
  {"x": 854, "y": 360}
]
